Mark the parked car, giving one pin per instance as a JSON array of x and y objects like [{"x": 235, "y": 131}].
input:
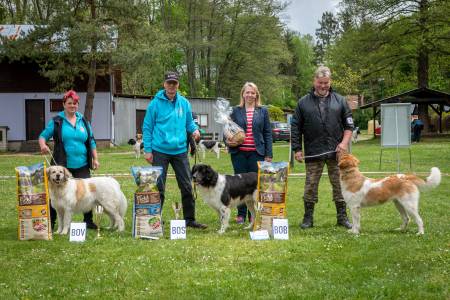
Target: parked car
[{"x": 280, "y": 131}]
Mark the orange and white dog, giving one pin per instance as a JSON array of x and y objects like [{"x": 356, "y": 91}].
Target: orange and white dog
[
  {"x": 69, "y": 195},
  {"x": 360, "y": 191}
]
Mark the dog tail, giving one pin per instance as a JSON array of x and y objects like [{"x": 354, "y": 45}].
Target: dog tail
[
  {"x": 432, "y": 181},
  {"x": 123, "y": 205}
]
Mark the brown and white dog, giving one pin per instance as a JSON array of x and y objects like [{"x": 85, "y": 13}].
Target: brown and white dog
[
  {"x": 360, "y": 191},
  {"x": 69, "y": 195}
]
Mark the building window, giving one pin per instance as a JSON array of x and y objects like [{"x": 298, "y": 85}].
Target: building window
[
  {"x": 203, "y": 120},
  {"x": 56, "y": 105}
]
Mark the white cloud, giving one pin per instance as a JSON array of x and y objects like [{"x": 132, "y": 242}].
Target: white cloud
[{"x": 303, "y": 15}]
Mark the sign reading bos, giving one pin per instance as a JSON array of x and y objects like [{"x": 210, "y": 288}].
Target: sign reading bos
[{"x": 177, "y": 229}]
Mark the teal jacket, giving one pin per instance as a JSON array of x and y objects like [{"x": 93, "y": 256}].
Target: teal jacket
[
  {"x": 73, "y": 139},
  {"x": 166, "y": 123}
]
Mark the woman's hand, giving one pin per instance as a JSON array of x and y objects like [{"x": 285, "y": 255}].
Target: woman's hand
[
  {"x": 231, "y": 143},
  {"x": 44, "y": 149}
]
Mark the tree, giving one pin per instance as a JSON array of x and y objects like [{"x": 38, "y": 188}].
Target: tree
[
  {"x": 325, "y": 35},
  {"x": 79, "y": 34},
  {"x": 392, "y": 39}
]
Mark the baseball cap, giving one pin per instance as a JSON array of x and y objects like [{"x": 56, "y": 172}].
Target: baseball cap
[{"x": 171, "y": 76}]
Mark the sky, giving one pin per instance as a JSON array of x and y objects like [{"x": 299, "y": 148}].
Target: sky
[{"x": 304, "y": 15}]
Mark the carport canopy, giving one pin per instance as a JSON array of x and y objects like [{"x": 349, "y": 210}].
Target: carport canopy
[{"x": 424, "y": 97}]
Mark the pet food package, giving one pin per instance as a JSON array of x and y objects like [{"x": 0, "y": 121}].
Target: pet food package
[
  {"x": 272, "y": 191},
  {"x": 147, "y": 203},
  {"x": 231, "y": 130},
  {"x": 33, "y": 203}
]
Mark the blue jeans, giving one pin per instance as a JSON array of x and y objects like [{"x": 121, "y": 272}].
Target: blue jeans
[
  {"x": 180, "y": 165},
  {"x": 244, "y": 162}
]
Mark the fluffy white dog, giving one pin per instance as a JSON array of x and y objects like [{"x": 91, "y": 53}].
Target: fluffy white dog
[{"x": 69, "y": 195}]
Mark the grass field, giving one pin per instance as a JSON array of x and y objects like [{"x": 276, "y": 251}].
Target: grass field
[{"x": 323, "y": 262}]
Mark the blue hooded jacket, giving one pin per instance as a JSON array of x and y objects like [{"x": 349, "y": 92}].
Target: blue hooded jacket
[{"x": 166, "y": 123}]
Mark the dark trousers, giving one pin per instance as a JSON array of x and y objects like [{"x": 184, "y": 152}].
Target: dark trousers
[
  {"x": 416, "y": 134},
  {"x": 82, "y": 172},
  {"x": 244, "y": 162},
  {"x": 314, "y": 172},
  {"x": 180, "y": 165}
]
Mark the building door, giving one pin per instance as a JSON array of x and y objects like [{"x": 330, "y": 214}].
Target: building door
[
  {"x": 140, "y": 114},
  {"x": 35, "y": 118}
]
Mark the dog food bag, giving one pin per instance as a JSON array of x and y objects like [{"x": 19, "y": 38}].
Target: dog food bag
[
  {"x": 147, "y": 203},
  {"x": 231, "y": 130},
  {"x": 33, "y": 203},
  {"x": 272, "y": 190}
]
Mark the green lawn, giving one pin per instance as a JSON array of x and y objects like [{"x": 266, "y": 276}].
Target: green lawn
[{"x": 323, "y": 262}]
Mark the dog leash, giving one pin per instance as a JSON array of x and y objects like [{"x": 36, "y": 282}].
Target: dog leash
[
  {"x": 318, "y": 155},
  {"x": 194, "y": 194}
]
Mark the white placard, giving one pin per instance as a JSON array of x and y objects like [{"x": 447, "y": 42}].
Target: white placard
[
  {"x": 177, "y": 229},
  {"x": 77, "y": 232},
  {"x": 259, "y": 235},
  {"x": 280, "y": 229}
]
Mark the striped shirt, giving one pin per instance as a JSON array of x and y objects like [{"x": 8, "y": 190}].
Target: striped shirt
[{"x": 249, "y": 142}]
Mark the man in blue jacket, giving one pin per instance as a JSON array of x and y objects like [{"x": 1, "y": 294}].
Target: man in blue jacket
[{"x": 168, "y": 118}]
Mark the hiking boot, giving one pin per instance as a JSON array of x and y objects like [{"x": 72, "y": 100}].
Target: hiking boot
[
  {"x": 341, "y": 215},
  {"x": 308, "y": 216}
]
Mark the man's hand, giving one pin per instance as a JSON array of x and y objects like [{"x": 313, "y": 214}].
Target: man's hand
[
  {"x": 298, "y": 156},
  {"x": 268, "y": 159},
  {"x": 149, "y": 157},
  {"x": 342, "y": 147},
  {"x": 95, "y": 164},
  {"x": 196, "y": 135}
]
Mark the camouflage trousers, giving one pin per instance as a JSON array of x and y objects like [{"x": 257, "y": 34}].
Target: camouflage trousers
[{"x": 314, "y": 173}]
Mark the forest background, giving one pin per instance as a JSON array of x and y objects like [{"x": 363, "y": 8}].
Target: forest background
[{"x": 375, "y": 48}]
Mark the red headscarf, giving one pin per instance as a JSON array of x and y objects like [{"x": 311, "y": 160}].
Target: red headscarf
[{"x": 71, "y": 94}]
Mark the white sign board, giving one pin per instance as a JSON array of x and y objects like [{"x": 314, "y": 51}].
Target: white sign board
[
  {"x": 396, "y": 125},
  {"x": 280, "y": 229},
  {"x": 77, "y": 232},
  {"x": 178, "y": 229}
]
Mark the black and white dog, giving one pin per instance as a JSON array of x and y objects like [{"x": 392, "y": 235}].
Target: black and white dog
[
  {"x": 137, "y": 144},
  {"x": 214, "y": 146},
  {"x": 224, "y": 192},
  {"x": 355, "y": 134}
]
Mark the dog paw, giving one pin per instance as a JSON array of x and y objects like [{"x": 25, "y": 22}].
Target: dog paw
[
  {"x": 420, "y": 233},
  {"x": 221, "y": 231},
  {"x": 353, "y": 231}
]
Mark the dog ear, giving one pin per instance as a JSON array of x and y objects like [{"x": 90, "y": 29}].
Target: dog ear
[{"x": 67, "y": 174}]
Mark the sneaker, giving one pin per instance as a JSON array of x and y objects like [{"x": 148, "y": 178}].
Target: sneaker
[
  {"x": 240, "y": 220},
  {"x": 195, "y": 224}
]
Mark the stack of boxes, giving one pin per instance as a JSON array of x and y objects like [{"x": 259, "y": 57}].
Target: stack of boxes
[
  {"x": 272, "y": 191},
  {"x": 33, "y": 203}
]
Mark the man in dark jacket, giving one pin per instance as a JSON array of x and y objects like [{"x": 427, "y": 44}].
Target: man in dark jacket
[{"x": 324, "y": 122}]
